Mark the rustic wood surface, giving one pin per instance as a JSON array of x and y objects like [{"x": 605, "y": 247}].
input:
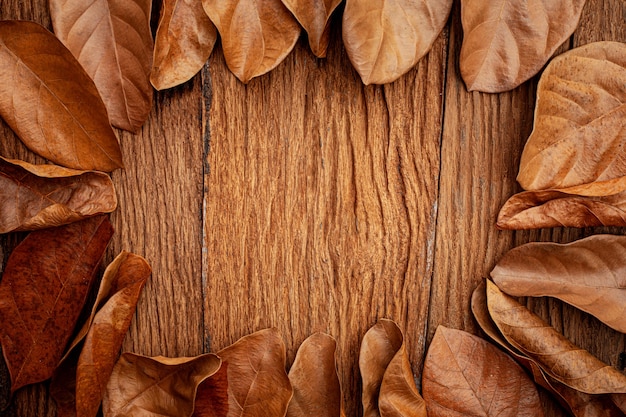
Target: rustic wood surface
[{"x": 309, "y": 202}]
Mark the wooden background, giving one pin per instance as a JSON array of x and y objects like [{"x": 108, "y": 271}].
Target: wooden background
[{"x": 307, "y": 201}]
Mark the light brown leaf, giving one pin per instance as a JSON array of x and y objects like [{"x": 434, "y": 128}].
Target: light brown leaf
[
  {"x": 465, "y": 375},
  {"x": 314, "y": 16},
  {"x": 256, "y": 35},
  {"x": 158, "y": 386},
  {"x": 41, "y": 196},
  {"x": 379, "y": 346},
  {"x": 507, "y": 42},
  {"x": 313, "y": 377},
  {"x": 578, "y": 135},
  {"x": 386, "y": 38},
  {"x": 255, "y": 378},
  {"x": 113, "y": 42},
  {"x": 184, "y": 40},
  {"x": 557, "y": 356},
  {"x": 589, "y": 274},
  {"x": 51, "y": 103}
]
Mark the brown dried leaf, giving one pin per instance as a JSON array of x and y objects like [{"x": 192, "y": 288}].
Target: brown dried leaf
[
  {"x": 313, "y": 377},
  {"x": 557, "y": 356},
  {"x": 256, "y": 35},
  {"x": 42, "y": 292},
  {"x": 379, "y": 346},
  {"x": 184, "y": 40},
  {"x": 158, "y": 386},
  {"x": 465, "y": 375},
  {"x": 113, "y": 42},
  {"x": 578, "y": 132},
  {"x": 255, "y": 379},
  {"x": 314, "y": 16},
  {"x": 620, "y": 401},
  {"x": 51, "y": 103},
  {"x": 589, "y": 274},
  {"x": 507, "y": 42},
  {"x": 386, "y": 38},
  {"x": 40, "y": 196}
]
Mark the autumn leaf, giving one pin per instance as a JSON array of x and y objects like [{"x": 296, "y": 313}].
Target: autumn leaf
[
  {"x": 507, "y": 42},
  {"x": 184, "y": 40},
  {"x": 254, "y": 379},
  {"x": 40, "y": 196},
  {"x": 256, "y": 35},
  {"x": 314, "y": 16},
  {"x": 386, "y": 38},
  {"x": 158, "y": 386},
  {"x": 313, "y": 377},
  {"x": 465, "y": 375},
  {"x": 620, "y": 401},
  {"x": 42, "y": 292},
  {"x": 112, "y": 41},
  {"x": 51, "y": 103}
]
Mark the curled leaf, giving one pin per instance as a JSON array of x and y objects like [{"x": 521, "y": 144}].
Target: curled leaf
[
  {"x": 465, "y": 375},
  {"x": 314, "y": 16},
  {"x": 40, "y": 196},
  {"x": 256, "y": 35},
  {"x": 507, "y": 42},
  {"x": 386, "y": 38},
  {"x": 113, "y": 42},
  {"x": 48, "y": 99},
  {"x": 184, "y": 40}
]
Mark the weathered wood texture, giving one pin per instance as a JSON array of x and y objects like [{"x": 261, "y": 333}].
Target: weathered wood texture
[{"x": 307, "y": 201}]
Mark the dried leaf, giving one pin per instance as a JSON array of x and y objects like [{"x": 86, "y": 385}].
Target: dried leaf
[
  {"x": 386, "y": 38},
  {"x": 578, "y": 132},
  {"x": 589, "y": 274},
  {"x": 256, "y": 35},
  {"x": 212, "y": 399},
  {"x": 42, "y": 292},
  {"x": 313, "y": 377},
  {"x": 184, "y": 40},
  {"x": 158, "y": 386},
  {"x": 558, "y": 357},
  {"x": 507, "y": 42},
  {"x": 379, "y": 346},
  {"x": 255, "y": 379},
  {"x": 465, "y": 375},
  {"x": 51, "y": 103},
  {"x": 620, "y": 401},
  {"x": 314, "y": 16},
  {"x": 113, "y": 42},
  {"x": 40, "y": 196}
]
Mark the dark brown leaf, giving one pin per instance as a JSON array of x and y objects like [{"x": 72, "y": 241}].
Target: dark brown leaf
[{"x": 314, "y": 16}]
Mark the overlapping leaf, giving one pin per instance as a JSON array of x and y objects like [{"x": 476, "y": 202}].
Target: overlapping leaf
[
  {"x": 507, "y": 42},
  {"x": 256, "y": 35},
  {"x": 113, "y": 42},
  {"x": 386, "y": 38},
  {"x": 50, "y": 101},
  {"x": 39, "y": 196},
  {"x": 465, "y": 375},
  {"x": 314, "y": 16},
  {"x": 42, "y": 292},
  {"x": 184, "y": 40}
]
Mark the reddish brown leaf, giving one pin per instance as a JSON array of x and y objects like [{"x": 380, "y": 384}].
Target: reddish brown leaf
[
  {"x": 184, "y": 40},
  {"x": 42, "y": 292},
  {"x": 212, "y": 399},
  {"x": 40, "y": 196},
  {"x": 144, "y": 386},
  {"x": 256, "y": 35},
  {"x": 50, "y": 101},
  {"x": 113, "y": 42},
  {"x": 620, "y": 401},
  {"x": 313, "y": 376},
  {"x": 314, "y": 16},
  {"x": 465, "y": 375},
  {"x": 386, "y": 38}
]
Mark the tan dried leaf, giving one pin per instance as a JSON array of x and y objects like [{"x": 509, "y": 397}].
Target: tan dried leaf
[
  {"x": 314, "y": 16},
  {"x": 183, "y": 43},
  {"x": 113, "y": 42},
  {"x": 256, "y": 35},
  {"x": 507, "y": 42},
  {"x": 386, "y": 38}
]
